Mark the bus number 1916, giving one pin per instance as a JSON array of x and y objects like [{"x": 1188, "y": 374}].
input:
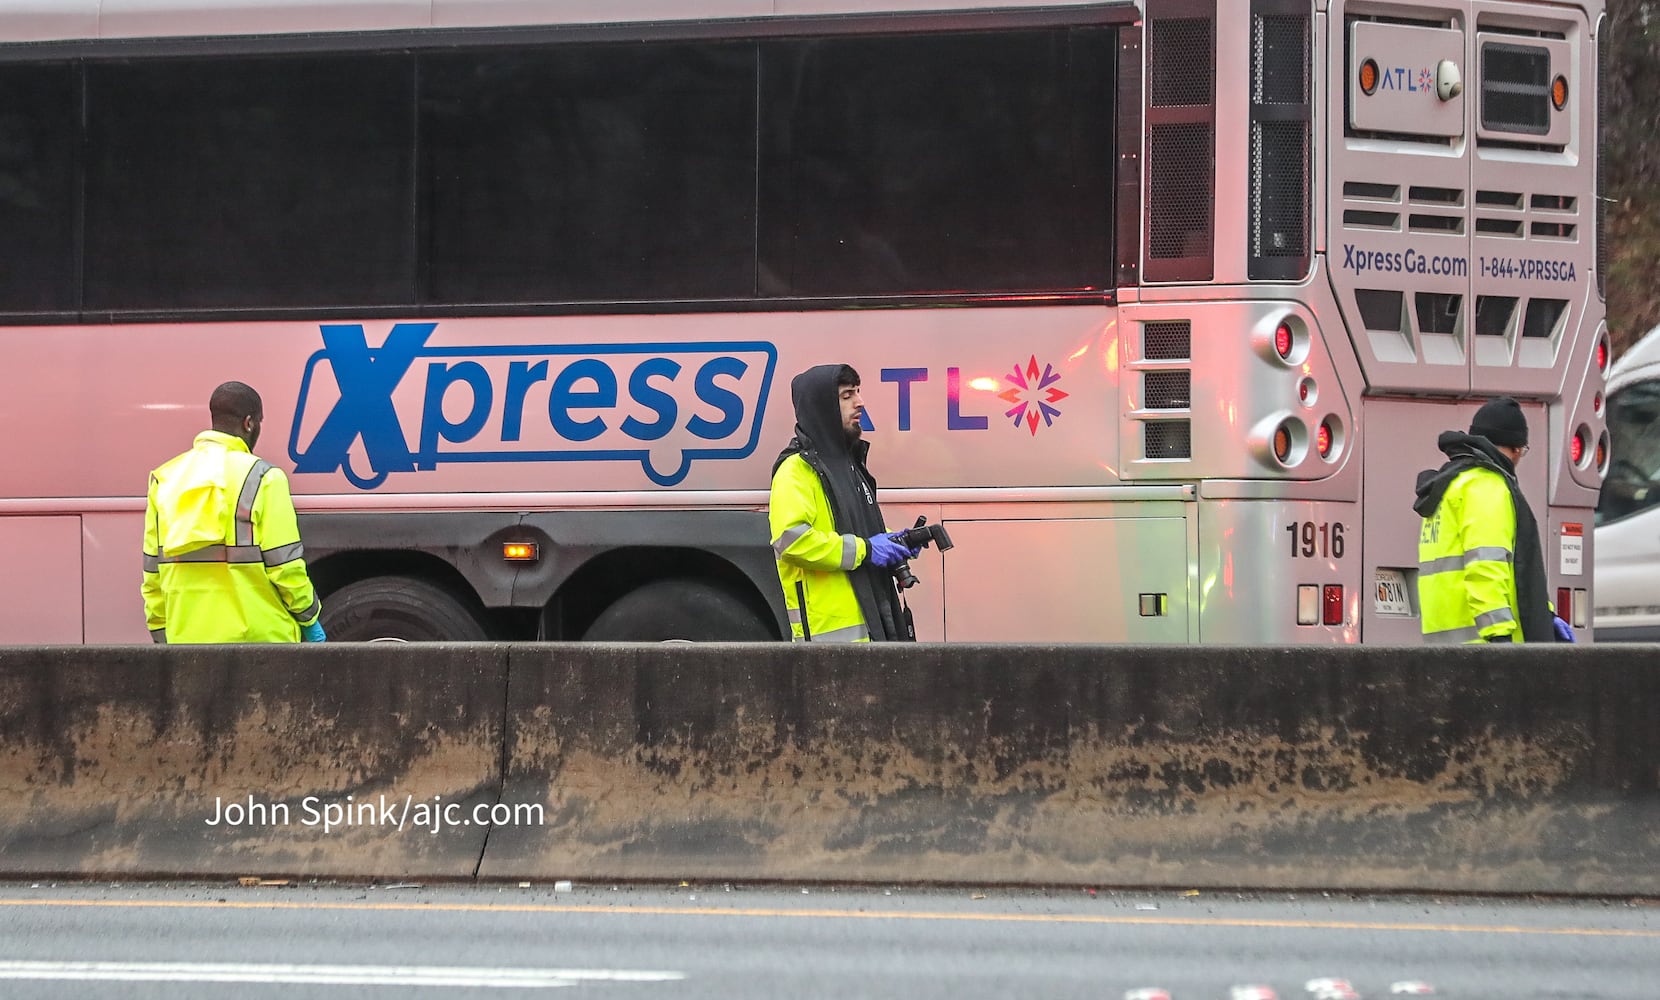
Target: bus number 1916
[{"x": 1311, "y": 539}]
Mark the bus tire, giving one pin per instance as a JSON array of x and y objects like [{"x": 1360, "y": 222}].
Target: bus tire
[
  {"x": 399, "y": 607},
  {"x": 669, "y": 610}
]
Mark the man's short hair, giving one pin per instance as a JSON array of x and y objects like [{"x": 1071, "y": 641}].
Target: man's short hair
[
  {"x": 847, "y": 376},
  {"x": 234, "y": 400}
]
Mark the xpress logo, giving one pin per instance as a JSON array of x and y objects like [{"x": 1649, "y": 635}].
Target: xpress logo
[{"x": 413, "y": 406}]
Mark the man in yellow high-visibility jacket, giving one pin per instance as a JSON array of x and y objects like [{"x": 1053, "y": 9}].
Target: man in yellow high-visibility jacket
[
  {"x": 1481, "y": 569},
  {"x": 222, "y": 554},
  {"x": 835, "y": 558}
]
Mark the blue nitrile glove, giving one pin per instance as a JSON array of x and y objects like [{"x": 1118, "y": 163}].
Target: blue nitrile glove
[
  {"x": 314, "y": 631},
  {"x": 1564, "y": 631},
  {"x": 885, "y": 552}
]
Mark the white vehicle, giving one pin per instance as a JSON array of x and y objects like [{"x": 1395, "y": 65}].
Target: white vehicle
[
  {"x": 1159, "y": 305},
  {"x": 1628, "y": 516}
]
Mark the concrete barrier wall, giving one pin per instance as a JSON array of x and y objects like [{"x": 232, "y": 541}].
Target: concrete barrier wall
[
  {"x": 1527, "y": 770},
  {"x": 116, "y": 759},
  {"x": 1475, "y": 769}
]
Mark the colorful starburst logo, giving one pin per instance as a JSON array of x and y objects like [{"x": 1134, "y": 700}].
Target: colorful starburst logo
[
  {"x": 1426, "y": 80},
  {"x": 1033, "y": 396}
]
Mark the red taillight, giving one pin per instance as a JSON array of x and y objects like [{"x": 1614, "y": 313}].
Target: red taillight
[
  {"x": 1322, "y": 439},
  {"x": 1602, "y": 453},
  {"x": 1331, "y": 604},
  {"x": 1596, "y": 404},
  {"x": 1282, "y": 340},
  {"x": 1602, "y": 355},
  {"x": 1576, "y": 447}
]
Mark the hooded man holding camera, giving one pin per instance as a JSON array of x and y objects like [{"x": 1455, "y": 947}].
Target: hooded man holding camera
[
  {"x": 835, "y": 556},
  {"x": 1481, "y": 568}
]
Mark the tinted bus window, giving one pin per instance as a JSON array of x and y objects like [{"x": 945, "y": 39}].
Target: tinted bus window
[
  {"x": 37, "y": 185},
  {"x": 609, "y": 173},
  {"x": 937, "y": 163},
  {"x": 262, "y": 182}
]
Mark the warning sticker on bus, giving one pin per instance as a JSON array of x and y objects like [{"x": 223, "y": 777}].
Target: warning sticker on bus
[{"x": 1389, "y": 594}]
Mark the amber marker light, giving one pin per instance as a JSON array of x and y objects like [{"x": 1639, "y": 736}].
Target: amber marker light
[
  {"x": 1282, "y": 443},
  {"x": 1559, "y": 92},
  {"x": 518, "y": 551},
  {"x": 1368, "y": 76}
]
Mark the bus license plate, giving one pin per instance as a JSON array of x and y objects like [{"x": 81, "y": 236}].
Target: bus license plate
[{"x": 1389, "y": 596}]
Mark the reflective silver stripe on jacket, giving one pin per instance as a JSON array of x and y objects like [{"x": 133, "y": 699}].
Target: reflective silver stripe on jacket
[
  {"x": 218, "y": 554},
  {"x": 245, "y": 502},
  {"x": 314, "y": 608},
  {"x": 1495, "y": 617},
  {"x": 795, "y": 616},
  {"x": 284, "y": 554},
  {"x": 1485, "y": 553},
  {"x": 152, "y": 564},
  {"x": 788, "y": 538},
  {"x": 850, "y": 551},
  {"x": 852, "y": 633},
  {"x": 1469, "y": 633}
]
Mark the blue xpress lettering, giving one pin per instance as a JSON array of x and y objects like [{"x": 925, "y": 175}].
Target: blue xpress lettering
[{"x": 661, "y": 405}]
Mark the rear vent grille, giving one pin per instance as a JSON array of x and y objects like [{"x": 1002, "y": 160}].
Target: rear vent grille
[
  {"x": 1166, "y": 390},
  {"x": 1516, "y": 215},
  {"x": 1543, "y": 317},
  {"x": 1364, "y": 205},
  {"x": 1175, "y": 81},
  {"x": 1435, "y": 196},
  {"x": 1281, "y": 122},
  {"x": 1382, "y": 309},
  {"x": 1179, "y": 193},
  {"x": 1167, "y": 340},
  {"x": 1554, "y": 230},
  {"x": 1167, "y": 439},
  {"x": 1515, "y": 88},
  {"x": 1179, "y": 218},
  {"x": 1367, "y": 191},
  {"x": 1435, "y": 223},
  {"x": 1372, "y": 220},
  {"x": 1493, "y": 315},
  {"x": 1449, "y": 221},
  {"x": 1438, "y": 312}
]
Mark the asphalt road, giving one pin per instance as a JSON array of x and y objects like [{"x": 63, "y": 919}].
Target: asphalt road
[{"x": 706, "y": 941}]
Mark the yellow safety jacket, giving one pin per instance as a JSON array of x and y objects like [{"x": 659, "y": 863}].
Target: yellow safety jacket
[
  {"x": 1466, "y": 562},
  {"x": 222, "y": 554},
  {"x": 813, "y": 559}
]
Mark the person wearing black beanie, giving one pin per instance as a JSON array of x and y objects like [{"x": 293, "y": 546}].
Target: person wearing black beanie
[{"x": 1481, "y": 567}]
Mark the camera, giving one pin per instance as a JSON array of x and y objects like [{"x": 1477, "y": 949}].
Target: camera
[{"x": 921, "y": 535}]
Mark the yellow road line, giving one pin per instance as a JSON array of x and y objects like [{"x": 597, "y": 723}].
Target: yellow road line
[{"x": 710, "y": 911}]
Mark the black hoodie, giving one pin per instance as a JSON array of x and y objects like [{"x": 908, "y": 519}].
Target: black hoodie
[
  {"x": 821, "y": 440},
  {"x": 1470, "y": 451}
]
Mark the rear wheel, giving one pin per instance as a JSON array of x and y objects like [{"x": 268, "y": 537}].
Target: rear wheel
[
  {"x": 399, "y": 607},
  {"x": 668, "y": 610}
]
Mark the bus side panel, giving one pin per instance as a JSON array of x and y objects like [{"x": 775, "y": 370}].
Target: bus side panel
[
  {"x": 1093, "y": 573},
  {"x": 113, "y": 552},
  {"x": 40, "y": 580},
  {"x": 1255, "y": 554}
]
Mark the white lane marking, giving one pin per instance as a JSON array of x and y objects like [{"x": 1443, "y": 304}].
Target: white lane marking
[{"x": 338, "y": 975}]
